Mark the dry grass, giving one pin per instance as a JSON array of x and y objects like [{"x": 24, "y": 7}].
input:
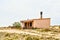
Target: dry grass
[{"x": 43, "y": 34}]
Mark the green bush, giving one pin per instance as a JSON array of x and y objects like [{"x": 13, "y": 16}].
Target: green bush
[{"x": 16, "y": 25}]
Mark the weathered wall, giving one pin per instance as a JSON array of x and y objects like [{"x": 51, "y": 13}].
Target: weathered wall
[
  {"x": 42, "y": 23},
  {"x": 22, "y": 25}
]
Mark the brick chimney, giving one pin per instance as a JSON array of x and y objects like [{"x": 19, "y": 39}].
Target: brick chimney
[{"x": 41, "y": 14}]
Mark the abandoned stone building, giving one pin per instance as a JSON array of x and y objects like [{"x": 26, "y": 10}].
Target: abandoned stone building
[{"x": 36, "y": 23}]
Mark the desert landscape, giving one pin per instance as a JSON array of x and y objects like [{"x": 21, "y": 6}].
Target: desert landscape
[
  {"x": 53, "y": 33},
  {"x": 29, "y": 19}
]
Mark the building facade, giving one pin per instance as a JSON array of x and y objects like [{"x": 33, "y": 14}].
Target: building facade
[{"x": 36, "y": 23}]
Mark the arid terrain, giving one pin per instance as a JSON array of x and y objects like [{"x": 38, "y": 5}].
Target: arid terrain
[{"x": 52, "y": 33}]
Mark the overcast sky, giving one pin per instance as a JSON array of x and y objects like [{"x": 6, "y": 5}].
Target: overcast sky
[{"x": 16, "y": 10}]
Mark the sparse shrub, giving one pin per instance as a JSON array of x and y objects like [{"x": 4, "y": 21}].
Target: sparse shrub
[
  {"x": 45, "y": 30},
  {"x": 55, "y": 31},
  {"x": 16, "y": 25},
  {"x": 35, "y": 38},
  {"x": 29, "y": 38},
  {"x": 56, "y": 39},
  {"x": 49, "y": 37},
  {"x": 24, "y": 35},
  {"x": 8, "y": 39},
  {"x": 7, "y": 34},
  {"x": 41, "y": 38},
  {"x": 34, "y": 28}
]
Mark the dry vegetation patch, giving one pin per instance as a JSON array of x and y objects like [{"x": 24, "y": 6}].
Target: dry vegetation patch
[{"x": 42, "y": 34}]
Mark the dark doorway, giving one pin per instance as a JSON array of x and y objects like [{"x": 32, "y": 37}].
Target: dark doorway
[
  {"x": 30, "y": 24},
  {"x": 25, "y": 24}
]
